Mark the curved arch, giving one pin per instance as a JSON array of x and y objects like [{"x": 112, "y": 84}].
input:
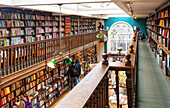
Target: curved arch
[
  {"x": 119, "y": 22},
  {"x": 116, "y": 29}
]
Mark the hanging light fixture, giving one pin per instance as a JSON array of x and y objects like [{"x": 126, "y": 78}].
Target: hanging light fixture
[
  {"x": 51, "y": 64},
  {"x": 60, "y": 28}
]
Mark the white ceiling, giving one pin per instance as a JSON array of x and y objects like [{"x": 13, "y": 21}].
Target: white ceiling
[
  {"x": 142, "y": 8},
  {"x": 94, "y": 8}
]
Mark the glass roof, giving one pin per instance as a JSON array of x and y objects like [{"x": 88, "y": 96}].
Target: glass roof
[{"x": 94, "y": 8}]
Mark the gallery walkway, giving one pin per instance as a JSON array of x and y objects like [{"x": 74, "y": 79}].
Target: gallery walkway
[{"x": 153, "y": 88}]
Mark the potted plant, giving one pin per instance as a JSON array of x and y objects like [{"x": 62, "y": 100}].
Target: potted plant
[{"x": 119, "y": 49}]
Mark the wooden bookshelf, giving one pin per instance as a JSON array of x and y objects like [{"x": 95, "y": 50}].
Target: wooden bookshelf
[
  {"x": 87, "y": 25},
  {"x": 46, "y": 86},
  {"x": 158, "y": 28},
  {"x": 31, "y": 29},
  {"x": 24, "y": 26}
]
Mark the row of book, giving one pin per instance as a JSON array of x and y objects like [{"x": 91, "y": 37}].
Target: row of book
[
  {"x": 62, "y": 23},
  {"x": 74, "y": 28},
  {"x": 4, "y": 42},
  {"x": 29, "y": 31},
  {"x": 16, "y": 32},
  {"x": 55, "y": 35},
  {"x": 30, "y": 39},
  {"x": 55, "y": 29},
  {"x": 164, "y": 32},
  {"x": 48, "y": 18},
  {"x": 30, "y": 85},
  {"x": 39, "y": 30},
  {"x": 48, "y": 23},
  {"x": 30, "y": 23},
  {"x": 56, "y": 18},
  {"x": 162, "y": 23},
  {"x": 17, "y": 40},
  {"x": 11, "y": 15},
  {"x": 29, "y": 17},
  {"x": 55, "y": 23},
  {"x": 11, "y": 23},
  {"x": 4, "y": 32},
  {"x": 39, "y": 17},
  {"x": 73, "y": 32},
  {"x": 162, "y": 14},
  {"x": 40, "y": 23},
  {"x": 48, "y": 30}
]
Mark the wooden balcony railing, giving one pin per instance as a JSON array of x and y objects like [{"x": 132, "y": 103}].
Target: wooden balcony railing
[
  {"x": 92, "y": 91},
  {"x": 23, "y": 56}
]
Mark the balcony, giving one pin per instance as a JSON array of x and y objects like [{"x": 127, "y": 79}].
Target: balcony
[{"x": 92, "y": 91}]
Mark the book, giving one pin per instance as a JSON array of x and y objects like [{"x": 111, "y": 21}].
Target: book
[
  {"x": 17, "y": 40},
  {"x": 161, "y": 23},
  {"x": 48, "y": 23},
  {"x": 4, "y": 42},
  {"x": 40, "y": 23},
  {"x": 4, "y": 32}
]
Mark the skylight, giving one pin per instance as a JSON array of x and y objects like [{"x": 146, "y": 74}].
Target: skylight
[{"x": 94, "y": 8}]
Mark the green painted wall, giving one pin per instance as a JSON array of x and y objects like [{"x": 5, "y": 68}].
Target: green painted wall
[{"x": 141, "y": 23}]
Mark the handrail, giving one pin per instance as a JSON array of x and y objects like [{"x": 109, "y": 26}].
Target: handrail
[
  {"x": 18, "y": 57},
  {"x": 77, "y": 97},
  {"x": 92, "y": 91}
]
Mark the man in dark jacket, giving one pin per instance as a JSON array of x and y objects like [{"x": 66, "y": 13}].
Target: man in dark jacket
[
  {"x": 73, "y": 72},
  {"x": 79, "y": 70}
]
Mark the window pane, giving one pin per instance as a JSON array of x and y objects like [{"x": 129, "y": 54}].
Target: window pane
[
  {"x": 121, "y": 37},
  {"x": 114, "y": 37},
  {"x": 113, "y": 45},
  {"x": 129, "y": 37},
  {"x": 121, "y": 44},
  {"x": 128, "y": 43}
]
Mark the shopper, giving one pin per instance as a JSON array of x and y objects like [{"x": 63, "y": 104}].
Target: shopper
[
  {"x": 73, "y": 72},
  {"x": 79, "y": 70},
  {"x": 24, "y": 102},
  {"x": 138, "y": 33},
  {"x": 100, "y": 27}
]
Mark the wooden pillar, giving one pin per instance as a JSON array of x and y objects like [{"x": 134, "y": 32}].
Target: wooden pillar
[
  {"x": 129, "y": 84},
  {"x": 117, "y": 87},
  {"x": 107, "y": 90}
]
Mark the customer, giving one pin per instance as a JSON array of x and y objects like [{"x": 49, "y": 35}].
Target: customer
[
  {"x": 100, "y": 27},
  {"x": 79, "y": 70},
  {"x": 73, "y": 72},
  {"x": 24, "y": 102}
]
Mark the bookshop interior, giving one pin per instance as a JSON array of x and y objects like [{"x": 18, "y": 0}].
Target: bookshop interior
[{"x": 85, "y": 53}]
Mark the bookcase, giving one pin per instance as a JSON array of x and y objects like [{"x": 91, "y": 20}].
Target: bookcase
[
  {"x": 23, "y": 26},
  {"x": 74, "y": 25},
  {"x": 87, "y": 25},
  {"x": 43, "y": 87},
  {"x": 46, "y": 86},
  {"x": 87, "y": 57},
  {"x": 158, "y": 28}
]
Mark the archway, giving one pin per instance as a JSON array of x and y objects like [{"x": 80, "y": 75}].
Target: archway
[{"x": 120, "y": 35}]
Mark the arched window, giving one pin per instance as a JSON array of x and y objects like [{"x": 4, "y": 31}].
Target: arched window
[{"x": 120, "y": 35}]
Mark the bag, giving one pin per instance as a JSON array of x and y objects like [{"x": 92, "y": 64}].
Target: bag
[
  {"x": 27, "y": 103},
  {"x": 74, "y": 70}
]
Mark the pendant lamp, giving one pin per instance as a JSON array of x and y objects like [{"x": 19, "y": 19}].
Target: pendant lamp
[{"x": 51, "y": 64}]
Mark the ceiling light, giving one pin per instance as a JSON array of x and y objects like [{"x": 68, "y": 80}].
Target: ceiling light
[{"x": 128, "y": 5}]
